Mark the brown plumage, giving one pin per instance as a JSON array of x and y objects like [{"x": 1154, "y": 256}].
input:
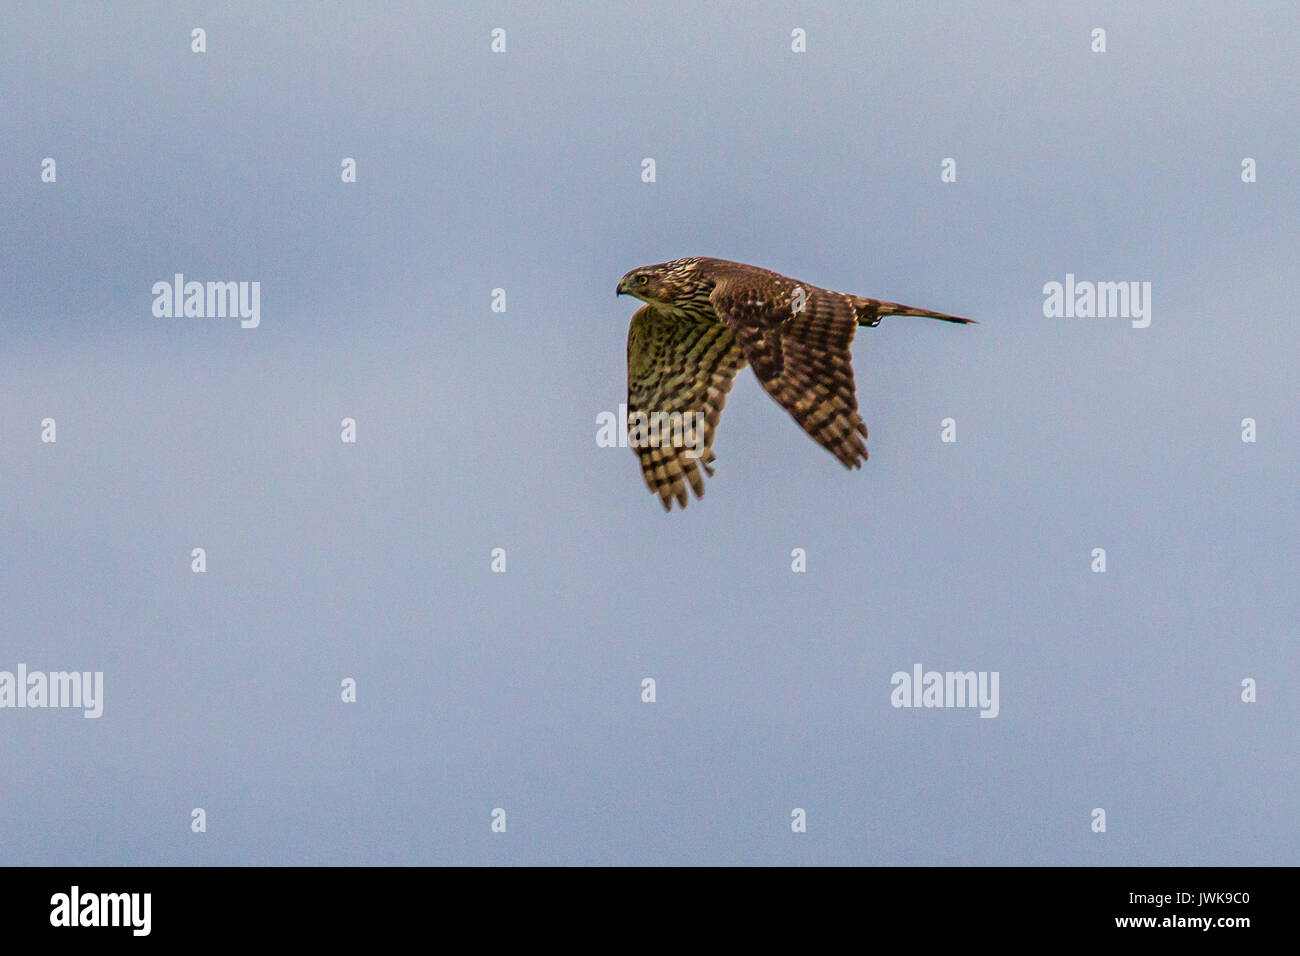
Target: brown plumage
[{"x": 703, "y": 321}]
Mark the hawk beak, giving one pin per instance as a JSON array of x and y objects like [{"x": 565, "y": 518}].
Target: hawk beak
[{"x": 619, "y": 290}]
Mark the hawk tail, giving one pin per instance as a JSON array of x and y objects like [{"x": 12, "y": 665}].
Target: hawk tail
[{"x": 871, "y": 311}]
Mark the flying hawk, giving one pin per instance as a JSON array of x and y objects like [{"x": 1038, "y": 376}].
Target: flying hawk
[{"x": 703, "y": 321}]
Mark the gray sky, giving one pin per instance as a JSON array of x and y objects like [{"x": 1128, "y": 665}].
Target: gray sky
[{"x": 477, "y": 430}]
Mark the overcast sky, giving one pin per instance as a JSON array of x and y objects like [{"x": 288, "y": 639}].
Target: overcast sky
[{"x": 476, "y": 430}]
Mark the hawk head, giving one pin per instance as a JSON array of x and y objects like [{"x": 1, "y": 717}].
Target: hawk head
[{"x": 668, "y": 285}]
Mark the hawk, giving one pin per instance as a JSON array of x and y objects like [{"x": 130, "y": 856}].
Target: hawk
[{"x": 706, "y": 319}]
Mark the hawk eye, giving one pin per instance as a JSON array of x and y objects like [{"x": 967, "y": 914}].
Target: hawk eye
[{"x": 642, "y": 280}]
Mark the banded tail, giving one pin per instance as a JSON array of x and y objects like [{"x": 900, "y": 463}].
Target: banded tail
[{"x": 871, "y": 311}]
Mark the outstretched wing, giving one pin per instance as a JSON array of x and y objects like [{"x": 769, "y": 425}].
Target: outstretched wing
[
  {"x": 801, "y": 356},
  {"x": 682, "y": 368}
]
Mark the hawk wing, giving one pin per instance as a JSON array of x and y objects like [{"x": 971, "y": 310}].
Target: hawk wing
[
  {"x": 801, "y": 358},
  {"x": 676, "y": 365}
]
